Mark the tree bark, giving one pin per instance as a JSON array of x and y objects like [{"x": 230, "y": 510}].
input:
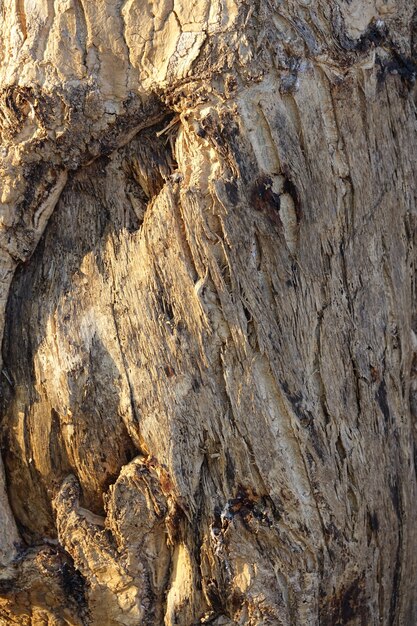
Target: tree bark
[{"x": 208, "y": 312}]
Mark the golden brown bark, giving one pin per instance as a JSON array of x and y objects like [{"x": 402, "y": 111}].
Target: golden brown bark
[{"x": 207, "y": 292}]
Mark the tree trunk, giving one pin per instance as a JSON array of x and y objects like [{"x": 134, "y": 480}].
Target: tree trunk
[{"x": 208, "y": 298}]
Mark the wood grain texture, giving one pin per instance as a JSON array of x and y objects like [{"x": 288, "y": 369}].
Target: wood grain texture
[{"x": 207, "y": 293}]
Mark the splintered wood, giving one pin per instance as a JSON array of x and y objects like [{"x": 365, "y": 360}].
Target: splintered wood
[{"x": 208, "y": 311}]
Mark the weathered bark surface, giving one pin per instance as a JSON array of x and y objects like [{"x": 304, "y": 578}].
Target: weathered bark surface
[{"x": 209, "y": 379}]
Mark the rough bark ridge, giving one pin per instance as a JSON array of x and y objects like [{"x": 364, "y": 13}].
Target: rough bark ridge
[{"x": 210, "y": 362}]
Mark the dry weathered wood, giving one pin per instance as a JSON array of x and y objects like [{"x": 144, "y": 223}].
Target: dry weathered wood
[{"x": 207, "y": 291}]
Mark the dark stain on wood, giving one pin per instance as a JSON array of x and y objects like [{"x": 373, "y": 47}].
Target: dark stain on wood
[
  {"x": 373, "y": 522},
  {"x": 415, "y": 458},
  {"x": 169, "y": 371},
  {"x": 381, "y": 398},
  {"x": 346, "y": 607},
  {"x": 292, "y": 190},
  {"x": 214, "y": 596},
  {"x": 195, "y": 384},
  {"x": 396, "y": 498},
  {"x": 265, "y": 200},
  {"x": 232, "y": 191},
  {"x": 375, "y": 35},
  {"x": 400, "y": 65},
  {"x": 230, "y": 468},
  {"x": 396, "y": 581},
  {"x": 8, "y": 586},
  {"x": 73, "y": 584}
]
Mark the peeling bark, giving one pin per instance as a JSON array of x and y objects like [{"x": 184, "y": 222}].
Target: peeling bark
[{"x": 207, "y": 305}]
